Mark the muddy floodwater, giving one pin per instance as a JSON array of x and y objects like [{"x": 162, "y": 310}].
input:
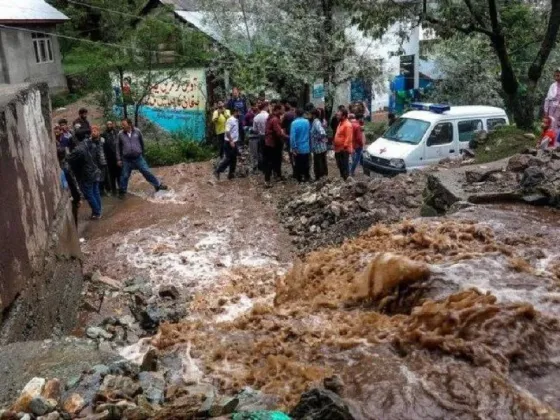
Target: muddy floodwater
[{"x": 463, "y": 323}]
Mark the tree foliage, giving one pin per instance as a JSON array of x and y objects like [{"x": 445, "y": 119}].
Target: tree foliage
[
  {"x": 119, "y": 43},
  {"x": 284, "y": 45},
  {"x": 522, "y": 36}
]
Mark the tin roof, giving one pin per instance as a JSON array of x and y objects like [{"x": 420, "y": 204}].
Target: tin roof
[{"x": 29, "y": 11}]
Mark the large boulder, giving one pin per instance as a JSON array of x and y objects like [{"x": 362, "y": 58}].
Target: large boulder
[{"x": 321, "y": 404}]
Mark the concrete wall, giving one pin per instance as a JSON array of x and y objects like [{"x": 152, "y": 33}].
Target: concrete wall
[
  {"x": 18, "y": 59},
  {"x": 40, "y": 267}
]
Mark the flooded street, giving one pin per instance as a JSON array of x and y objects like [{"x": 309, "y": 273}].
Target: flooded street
[{"x": 462, "y": 323}]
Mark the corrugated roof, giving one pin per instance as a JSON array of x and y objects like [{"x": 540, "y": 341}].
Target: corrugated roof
[
  {"x": 187, "y": 5},
  {"x": 236, "y": 41},
  {"x": 12, "y": 11}
]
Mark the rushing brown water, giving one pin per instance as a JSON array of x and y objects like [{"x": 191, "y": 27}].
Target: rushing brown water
[{"x": 426, "y": 319}]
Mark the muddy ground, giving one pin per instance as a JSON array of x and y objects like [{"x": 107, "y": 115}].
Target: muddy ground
[{"x": 453, "y": 317}]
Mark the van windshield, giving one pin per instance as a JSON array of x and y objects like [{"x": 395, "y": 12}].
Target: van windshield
[{"x": 407, "y": 130}]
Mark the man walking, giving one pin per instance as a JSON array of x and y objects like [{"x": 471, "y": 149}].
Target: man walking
[
  {"x": 300, "y": 146},
  {"x": 343, "y": 143},
  {"x": 82, "y": 161},
  {"x": 219, "y": 118},
  {"x": 111, "y": 136},
  {"x": 130, "y": 151},
  {"x": 287, "y": 120},
  {"x": 274, "y": 146},
  {"x": 230, "y": 146}
]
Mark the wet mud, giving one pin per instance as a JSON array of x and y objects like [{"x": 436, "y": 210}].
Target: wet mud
[{"x": 443, "y": 318}]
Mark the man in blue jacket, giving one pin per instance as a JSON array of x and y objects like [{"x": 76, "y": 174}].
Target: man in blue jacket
[
  {"x": 300, "y": 146},
  {"x": 130, "y": 156}
]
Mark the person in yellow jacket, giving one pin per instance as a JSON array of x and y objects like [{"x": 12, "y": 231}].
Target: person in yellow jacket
[{"x": 219, "y": 118}]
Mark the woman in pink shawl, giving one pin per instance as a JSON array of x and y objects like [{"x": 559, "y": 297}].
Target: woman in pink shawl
[{"x": 552, "y": 101}]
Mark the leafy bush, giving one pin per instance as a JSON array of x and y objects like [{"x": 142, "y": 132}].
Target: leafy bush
[
  {"x": 63, "y": 99},
  {"x": 503, "y": 142},
  {"x": 374, "y": 130},
  {"x": 176, "y": 150}
]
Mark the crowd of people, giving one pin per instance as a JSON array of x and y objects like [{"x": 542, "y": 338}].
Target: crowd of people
[
  {"x": 271, "y": 128},
  {"x": 95, "y": 163}
]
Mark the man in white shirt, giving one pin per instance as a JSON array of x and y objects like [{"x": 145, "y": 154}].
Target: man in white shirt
[
  {"x": 259, "y": 127},
  {"x": 231, "y": 141}
]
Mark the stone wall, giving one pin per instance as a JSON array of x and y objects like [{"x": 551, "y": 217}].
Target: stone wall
[{"x": 40, "y": 267}]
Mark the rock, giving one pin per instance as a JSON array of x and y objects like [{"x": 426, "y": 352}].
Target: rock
[
  {"x": 74, "y": 404},
  {"x": 52, "y": 390},
  {"x": 428, "y": 211},
  {"x": 252, "y": 400},
  {"x": 518, "y": 163},
  {"x": 98, "y": 332},
  {"x": 109, "y": 282},
  {"x": 530, "y": 136},
  {"x": 72, "y": 382},
  {"x": 124, "y": 367},
  {"x": 536, "y": 161},
  {"x": 334, "y": 384},
  {"x": 321, "y": 404},
  {"x": 468, "y": 153},
  {"x": 126, "y": 321},
  {"x": 149, "y": 362},
  {"x": 137, "y": 413},
  {"x": 25, "y": 417},
  {"x": 224, "y": 407},
  {"x": 33, "y": 389},
  {"x": 532, "y": 177},
  {"x": 101, "y": 370},
  {"x": 41, "y": 406},
  {"x": 51, "y": 416},
  {"x": 459, "y": 205},
  {"x": 120, "y": 385},
  {"x": 360, "y": 188},
  {"x": 170, "y": 292},
  {"x": 105, "y": 347},
  {"x": 153, "y": 386}
]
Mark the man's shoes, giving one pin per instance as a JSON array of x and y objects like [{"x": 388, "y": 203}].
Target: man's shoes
[
  {"x": 231, "y": 176},
  {"x": 122, "y": 195},
  {"x": 217, "y": 175},
  {"x": 268, "y": 185},
  {"x": 95, "y": 217},
  {"x": 162, "y": 187}
]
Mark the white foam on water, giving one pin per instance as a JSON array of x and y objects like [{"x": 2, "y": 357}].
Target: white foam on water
[
  {"x": 493, "y": 274},
  {"x": 185, "y": 258},
  {"x": 235, "y": 310},
  {"x": 191, "y": 372}
]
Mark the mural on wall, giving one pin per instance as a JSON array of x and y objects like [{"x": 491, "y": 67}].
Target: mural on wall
[{"x": 176, "y": 100}]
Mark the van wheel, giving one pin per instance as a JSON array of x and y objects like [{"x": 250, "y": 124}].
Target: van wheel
[{"x": 367, "y": 172}]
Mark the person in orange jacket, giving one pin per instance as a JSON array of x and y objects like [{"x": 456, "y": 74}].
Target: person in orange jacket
[{"x": 343, "y": 143}]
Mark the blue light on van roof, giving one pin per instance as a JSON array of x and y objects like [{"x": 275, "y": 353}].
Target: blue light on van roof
[{"x": 436, "y": 108}]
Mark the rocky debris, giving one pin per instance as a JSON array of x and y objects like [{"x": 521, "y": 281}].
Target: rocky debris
[
  {"x": 331, "y": 211},
  {"x": 320, "y": 404},
  {"x": 533, "y": 176},
  {"x": 169, "y": 292}
]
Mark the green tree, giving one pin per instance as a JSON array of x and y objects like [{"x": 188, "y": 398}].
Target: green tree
[
  {"x": 509, "y": 27},
  {"x": 286, "y": 45}
]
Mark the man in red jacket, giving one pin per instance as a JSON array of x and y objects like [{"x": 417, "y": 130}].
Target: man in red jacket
[{"x": 343, "y": 143}]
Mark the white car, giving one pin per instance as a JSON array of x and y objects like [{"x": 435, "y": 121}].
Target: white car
[{"x": 428, "y": 134}]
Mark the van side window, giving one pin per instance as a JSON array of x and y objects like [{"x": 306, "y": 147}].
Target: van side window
[
  {"x": 494, "y": 123},
  {"x": 468, "y": 129},
  {"x": 441, "y": 134}
]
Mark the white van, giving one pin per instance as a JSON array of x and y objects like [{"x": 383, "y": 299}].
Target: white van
[{"x": 429, "y": 134}]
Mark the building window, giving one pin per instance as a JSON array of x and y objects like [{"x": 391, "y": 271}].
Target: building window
[{"x": 42, "y": 47}]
